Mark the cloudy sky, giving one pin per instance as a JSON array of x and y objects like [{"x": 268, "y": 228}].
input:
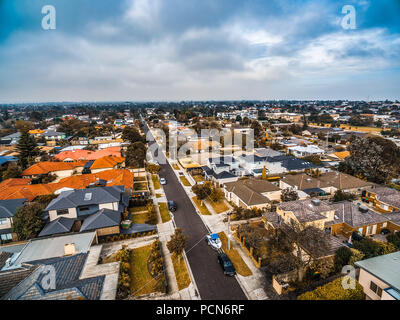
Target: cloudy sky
[{"x": 151, "y": 50}]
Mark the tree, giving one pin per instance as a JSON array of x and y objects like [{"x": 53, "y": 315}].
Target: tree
[
  {"x": 12, "y": 171},
  {"x": 202, "y": 191},
  {"x": 343, "y": 196},
  {"x": 373, "y": 157},
  {"x": 153, "y": 168},
  {"x": 289, "y": 194},
  {"x": 177, "y": 243},
  {"x": 132, "y": 135},
  {"x": 27, "y": 149},
  {"x": 27, "y": 221},
  {"x": 136, "y": 155},
  {"x": 395, "y": 239},
  {"x": 371, "y": 248},
  {"x": 334, "y": 291},
  {"x": 22, "y": 125}
]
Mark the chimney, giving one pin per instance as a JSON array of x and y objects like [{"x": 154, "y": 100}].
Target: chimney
[{"x": 69, "y": 249}]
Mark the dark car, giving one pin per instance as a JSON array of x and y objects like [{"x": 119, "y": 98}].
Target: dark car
[
  {"x": 226, "y": 265},
  {"x": 356, "y": 236},
  {"x": 385, "y": 231},
  {"x": 171, "y": 206}
]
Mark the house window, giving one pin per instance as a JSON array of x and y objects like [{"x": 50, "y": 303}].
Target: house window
[
  {"x": 83, "y": 209},
  {"x": 62, "y": 212},
  {"x": 384, "y": 225},
  {"x": 6, "y": 237},
  {"x": 375, "y": 289},
  {"x": 4, "y": 221}
]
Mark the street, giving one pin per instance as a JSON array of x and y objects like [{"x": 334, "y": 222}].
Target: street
[{"x": 208, "y": 274}]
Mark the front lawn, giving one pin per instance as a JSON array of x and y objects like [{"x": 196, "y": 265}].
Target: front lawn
[
  {"x": 142, "y": 281},
  {"x": 203, "y": 209},
  {"x": 164, "y": 212},
  {"x": 140, "y": 186},
  {"x": 185, "y": 181},
  {"x": 181, "y": 273},
  {"x": 138, "y": 209},
  {"x": 240, "y": 266},
  {"x": 156, "y": 182},
  {"x": 219, "y": 206},
  {"x": 175, "y": 166},
  {"x": 139, "y": 217}
]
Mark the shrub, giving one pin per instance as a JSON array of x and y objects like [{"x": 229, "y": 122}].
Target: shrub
[
  {"x": 394, "y": 238},
  {"x": 334, "y": 291}
]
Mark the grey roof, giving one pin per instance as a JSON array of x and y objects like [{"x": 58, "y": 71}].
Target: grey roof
[
  {"x": 222, "y": 160},
  {"x": 75, "y": 198},
  {"x": 221, "y": 175},
  {"x": 45, "y": 248},
  {"x": 387, "y": 195},
  {"x": 4, "y": 256},
  {"x": 385, "y": 267},
  {"x": 9, "y": 207},
  {"x": 12, "y": 136},
  {"x": 393, "y": 217},
  {"x": 306, "y": 210},
  {"x": 68, "y": 284},
  {"x": 267, "y": 152},
  {"x": 60, "y": 225},
  {"x": 11, "y": 278},
  {"x": 53, "y": 133},
  {"x": 102, "y": 219},
  {"x": 350, "y": 214},
  {"x": 292, "y": 163}
]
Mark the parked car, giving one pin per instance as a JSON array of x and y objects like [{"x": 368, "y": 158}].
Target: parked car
[
  {"x": 163, "y": 181},
  {"x": 171, "y": 206},
  {"x": 226, "y": 264},
  {"x": 356, "y": 236},
  {"x": 214, "y": 241},
  {"x": 385, "y": 231}
]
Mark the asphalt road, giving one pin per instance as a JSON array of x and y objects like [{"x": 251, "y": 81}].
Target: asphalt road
[{"x": 208, "y": 274}]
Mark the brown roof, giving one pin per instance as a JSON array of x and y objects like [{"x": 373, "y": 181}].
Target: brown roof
[
  {"x": 387, "y": 195},
  {"x": 334, "y": 179},
  {"x": 106, "y": 162},
  {"x": 10, "y": 278},
  {"x": 250, "y": 190},
  {"x": 306, "y": 210}
]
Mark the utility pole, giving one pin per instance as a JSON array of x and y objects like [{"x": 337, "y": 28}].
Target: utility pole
[{"x": 229, "y": 230}]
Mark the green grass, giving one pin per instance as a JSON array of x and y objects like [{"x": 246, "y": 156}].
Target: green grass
[
  {"x": 140, "y": 186},
  {"x": 203, "y": 209},
  {"x": 185, "y": 181},
  {"x": 156, "y": 182},
  {"x": 181, "y": 273},
  {"x": 138, "y": 209},
  {"x": 219, "y": 206},
  {"x": 198, "y": 178},
  {"x": 139, "y": 218},
  {"x": 137, "y": 179},
  {"x": 240, "y": 266},
  {"x": 164, "y": 212},
  {"x": 141, "y": 280}
]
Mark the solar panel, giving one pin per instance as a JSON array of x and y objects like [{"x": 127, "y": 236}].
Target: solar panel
[{"x": 88, "y": 196}]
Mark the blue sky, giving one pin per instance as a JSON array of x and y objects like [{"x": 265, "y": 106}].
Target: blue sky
[{"x": 149, "y": 50}]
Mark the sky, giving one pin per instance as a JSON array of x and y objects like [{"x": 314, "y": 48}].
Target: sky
[{"x": 173, "y": 50}]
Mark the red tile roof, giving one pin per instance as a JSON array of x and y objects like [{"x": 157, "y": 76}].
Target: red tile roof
[
  {"x": 48, "y": 166},
  {"x": 88, "y": 155},
  {"x": 107, "y": 162}
]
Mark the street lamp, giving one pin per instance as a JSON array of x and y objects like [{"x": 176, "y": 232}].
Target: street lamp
[{"x": 229, "y": 229}]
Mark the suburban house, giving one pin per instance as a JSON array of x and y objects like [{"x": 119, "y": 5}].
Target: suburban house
[
  {"x": 60, "y": 169},
  {"x": 305, "y": 151},
  {"x": 54, "y": 135},
  {"x": 104, "y": 163},
  {"x": 75, "y": 155},
  {"x": 380, "y": 277},
  {"x": 8, "y": 208},
  {"x": 6, "y": 160},
  {"x": 327, "y": 183},
  {"x": 74, "y": 259},
  {"x": 201, "y": 146},
  {"x": 349, "y": 218},
  {"x": 383, "y": 199},
  {"x": 252, "y": 193},
  {"x": 98, "y": 208},
  {"x": 267, "y": 152},
  {"x": 11, "y": 139},
  {"x": 222, "y": 169},
  {"x": 252, "y": 164}
]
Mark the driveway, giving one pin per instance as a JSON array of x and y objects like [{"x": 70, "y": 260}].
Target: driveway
[{"x": 208, "y": 274}]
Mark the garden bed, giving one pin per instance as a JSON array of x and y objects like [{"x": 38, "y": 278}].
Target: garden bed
[
  {"x": 156, "y": 182},
  {"x": 164, "y": 212},
  {"x": 181, "y": 273},
  {"x": 185, "y": 181}
]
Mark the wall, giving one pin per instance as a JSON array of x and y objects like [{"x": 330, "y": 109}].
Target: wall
[
  {"x": 71, "y": 214},
  {"x": 107, "y": 231},
  {"x": 365, "y": 279}
]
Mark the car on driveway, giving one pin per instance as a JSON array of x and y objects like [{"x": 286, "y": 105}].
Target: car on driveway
[
  {"x": 171, "y": 206},
  {"x": 226, "y": 264},
  {"x": 214, "y": 241},
  {"x": 163, "y": 181}
]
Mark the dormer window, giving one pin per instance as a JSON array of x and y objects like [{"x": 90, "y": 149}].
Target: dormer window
[{"x": 62, "y": 212}]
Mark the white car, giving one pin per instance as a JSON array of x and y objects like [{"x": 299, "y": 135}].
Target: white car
[
  {"x": 214, "y": 241},
  {"x": 163, "y": 181}
]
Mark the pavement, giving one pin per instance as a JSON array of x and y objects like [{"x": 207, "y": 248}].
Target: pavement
[{"x": 208, "y": 274}]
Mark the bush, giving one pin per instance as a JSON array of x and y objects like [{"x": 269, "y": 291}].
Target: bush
[
  {"x": 371, "y": 248},
  {"x": 334, "y": 291},
  {"x": 394, "y": 238}
]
